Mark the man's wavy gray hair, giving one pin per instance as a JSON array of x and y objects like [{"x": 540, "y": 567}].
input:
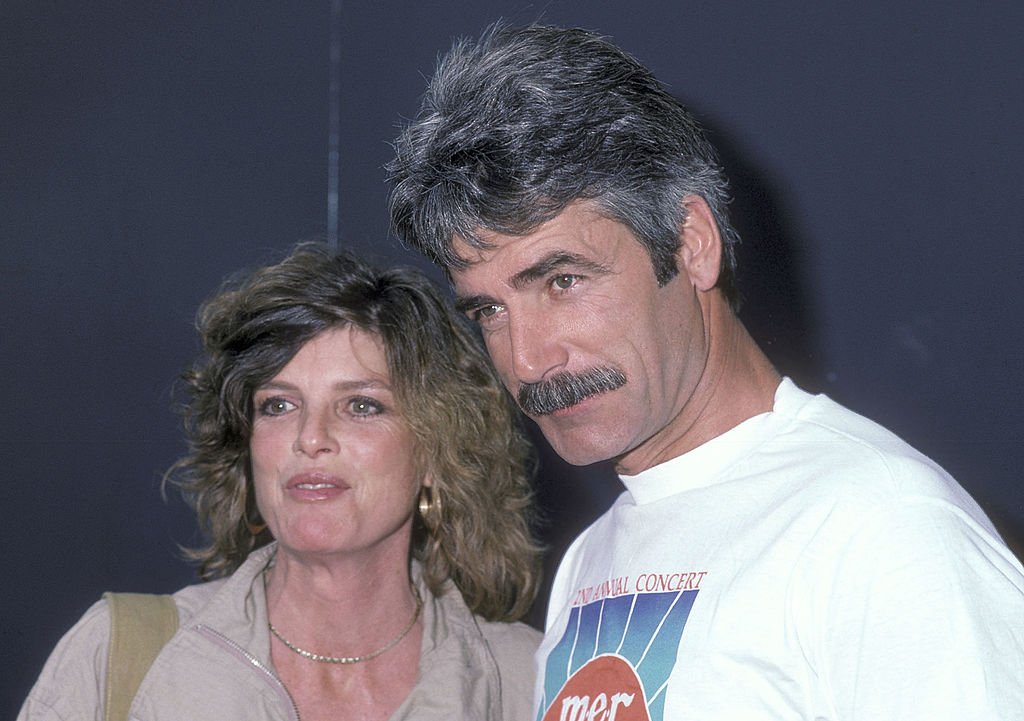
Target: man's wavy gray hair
[{"x": 515, "y": 127}]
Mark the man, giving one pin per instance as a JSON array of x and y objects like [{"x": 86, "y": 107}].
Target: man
[{"x": 774, "y": 555}]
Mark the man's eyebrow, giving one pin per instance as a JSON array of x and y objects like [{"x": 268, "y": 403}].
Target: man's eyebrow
[
  {"x": 544, "y": 267},
  {"x": 555, "y": 261}
]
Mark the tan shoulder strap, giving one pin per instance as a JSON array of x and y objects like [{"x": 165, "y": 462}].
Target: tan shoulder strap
[{"x": 140, "y": 625}]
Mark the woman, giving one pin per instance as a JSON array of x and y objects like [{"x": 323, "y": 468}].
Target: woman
[{"x": 358, "y": 470}]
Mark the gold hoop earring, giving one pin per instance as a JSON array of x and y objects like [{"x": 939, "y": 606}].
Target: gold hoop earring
[
  {"x": 254, "y": 528},
  {"x": 430, "y": 508}
]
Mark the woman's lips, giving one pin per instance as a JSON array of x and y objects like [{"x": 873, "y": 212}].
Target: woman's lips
[{"x": 315, "y": 487}]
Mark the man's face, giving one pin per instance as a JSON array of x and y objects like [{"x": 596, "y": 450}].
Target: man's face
[{"x": 600, "y": 356}]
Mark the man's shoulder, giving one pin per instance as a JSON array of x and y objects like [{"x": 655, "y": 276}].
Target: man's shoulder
[
  {"x": 816, "y": 417},
  {"x": 827, "y": 459},
  {"x": 829, "y": 441}
]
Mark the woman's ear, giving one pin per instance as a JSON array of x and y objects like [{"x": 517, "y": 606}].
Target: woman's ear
[{"x": 700, "y": 244}]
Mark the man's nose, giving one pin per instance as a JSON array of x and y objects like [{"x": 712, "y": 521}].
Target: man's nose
[{"x": 536, "y": 346}]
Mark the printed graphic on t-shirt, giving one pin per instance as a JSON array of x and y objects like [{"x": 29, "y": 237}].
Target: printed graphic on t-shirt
[{"x": 616, "y": 655}]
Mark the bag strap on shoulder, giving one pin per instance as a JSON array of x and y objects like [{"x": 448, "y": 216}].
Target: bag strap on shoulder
[{"x": 140, "y": 625}]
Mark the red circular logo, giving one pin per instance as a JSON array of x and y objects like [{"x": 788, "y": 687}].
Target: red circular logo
[{"x": 604, "y": 689}]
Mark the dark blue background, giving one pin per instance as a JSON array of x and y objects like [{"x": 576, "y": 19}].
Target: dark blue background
[{"x": 150, "y": 149}]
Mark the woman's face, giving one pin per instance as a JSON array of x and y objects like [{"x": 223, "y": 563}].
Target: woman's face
[{"x": 332, "y": 455}]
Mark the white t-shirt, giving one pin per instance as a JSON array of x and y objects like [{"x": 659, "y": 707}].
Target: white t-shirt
[{"x": 807, "y": 564}]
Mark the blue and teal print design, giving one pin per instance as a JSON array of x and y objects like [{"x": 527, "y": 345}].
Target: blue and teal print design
[{"x": 615, "y": 657}]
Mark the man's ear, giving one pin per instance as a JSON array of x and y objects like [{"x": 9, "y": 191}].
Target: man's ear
[{"x": 700, "y": 244}]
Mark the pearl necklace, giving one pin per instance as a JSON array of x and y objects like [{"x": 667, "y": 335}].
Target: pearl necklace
[{"x": 353, "y": 659}]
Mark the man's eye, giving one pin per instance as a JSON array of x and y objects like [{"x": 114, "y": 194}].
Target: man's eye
[
  {"x": 487, "y": 311},
  {"x": 564, "y": 281},
  {"x": 275, "y": 407}
]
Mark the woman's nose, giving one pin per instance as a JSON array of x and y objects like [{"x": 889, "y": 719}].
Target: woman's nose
[{"x": 316, "y": 434}]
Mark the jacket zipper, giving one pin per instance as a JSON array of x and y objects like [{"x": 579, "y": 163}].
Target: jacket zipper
[{"x": 254, "y": 662}]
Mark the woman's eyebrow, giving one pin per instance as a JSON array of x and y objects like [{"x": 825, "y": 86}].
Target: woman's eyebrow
[{"x": 343, "y": 385}]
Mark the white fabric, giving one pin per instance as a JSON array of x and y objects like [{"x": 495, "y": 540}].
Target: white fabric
[{"x": 805, "y": 565}]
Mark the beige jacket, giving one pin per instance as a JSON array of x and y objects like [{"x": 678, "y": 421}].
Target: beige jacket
[{"x": 217, "y": 666}]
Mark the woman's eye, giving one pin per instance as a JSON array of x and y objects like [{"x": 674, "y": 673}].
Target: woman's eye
[
  {"x": 275, "y": 406},
  {"x": 364, "y": 407},
  {"x": 564, "y": 281}
]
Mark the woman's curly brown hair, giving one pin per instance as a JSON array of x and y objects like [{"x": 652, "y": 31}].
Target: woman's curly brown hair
[{"x": 468, "y": 437}]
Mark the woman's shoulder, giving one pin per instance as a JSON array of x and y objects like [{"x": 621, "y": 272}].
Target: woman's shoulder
[
  {"x": 512, "y": 646},
  {"x": 508, "y": 641},
  {"x": 511, "y": 641},
  {"x": 74, "y": 675},
  {"x": 191, "y": 598}
]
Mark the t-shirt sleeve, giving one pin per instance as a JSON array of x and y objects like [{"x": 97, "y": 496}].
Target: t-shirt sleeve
[{"x": 924, "y": 619}]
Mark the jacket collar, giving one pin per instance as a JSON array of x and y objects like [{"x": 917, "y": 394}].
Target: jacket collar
[{"x": 458, "y": 676}]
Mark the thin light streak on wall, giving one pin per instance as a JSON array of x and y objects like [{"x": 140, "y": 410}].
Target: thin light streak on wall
[{"x": 333, "y": 128}]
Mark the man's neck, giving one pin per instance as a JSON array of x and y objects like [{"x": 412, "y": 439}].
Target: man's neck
[{"x": 738, "y": 382}]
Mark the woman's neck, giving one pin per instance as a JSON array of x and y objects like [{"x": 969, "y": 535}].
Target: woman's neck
[
  {"x": 344, "y": 607},
  {"x": 316, "y": 599}
]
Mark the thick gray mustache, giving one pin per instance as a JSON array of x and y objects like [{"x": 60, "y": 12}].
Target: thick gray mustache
[{"x": 567, "y": 389}]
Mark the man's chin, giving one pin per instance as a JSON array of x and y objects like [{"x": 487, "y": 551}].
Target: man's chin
[{"x": 577, "y": 446}]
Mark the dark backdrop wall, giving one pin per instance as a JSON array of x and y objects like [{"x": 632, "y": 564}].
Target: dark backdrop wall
[{"x": 150, "y": 149}]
